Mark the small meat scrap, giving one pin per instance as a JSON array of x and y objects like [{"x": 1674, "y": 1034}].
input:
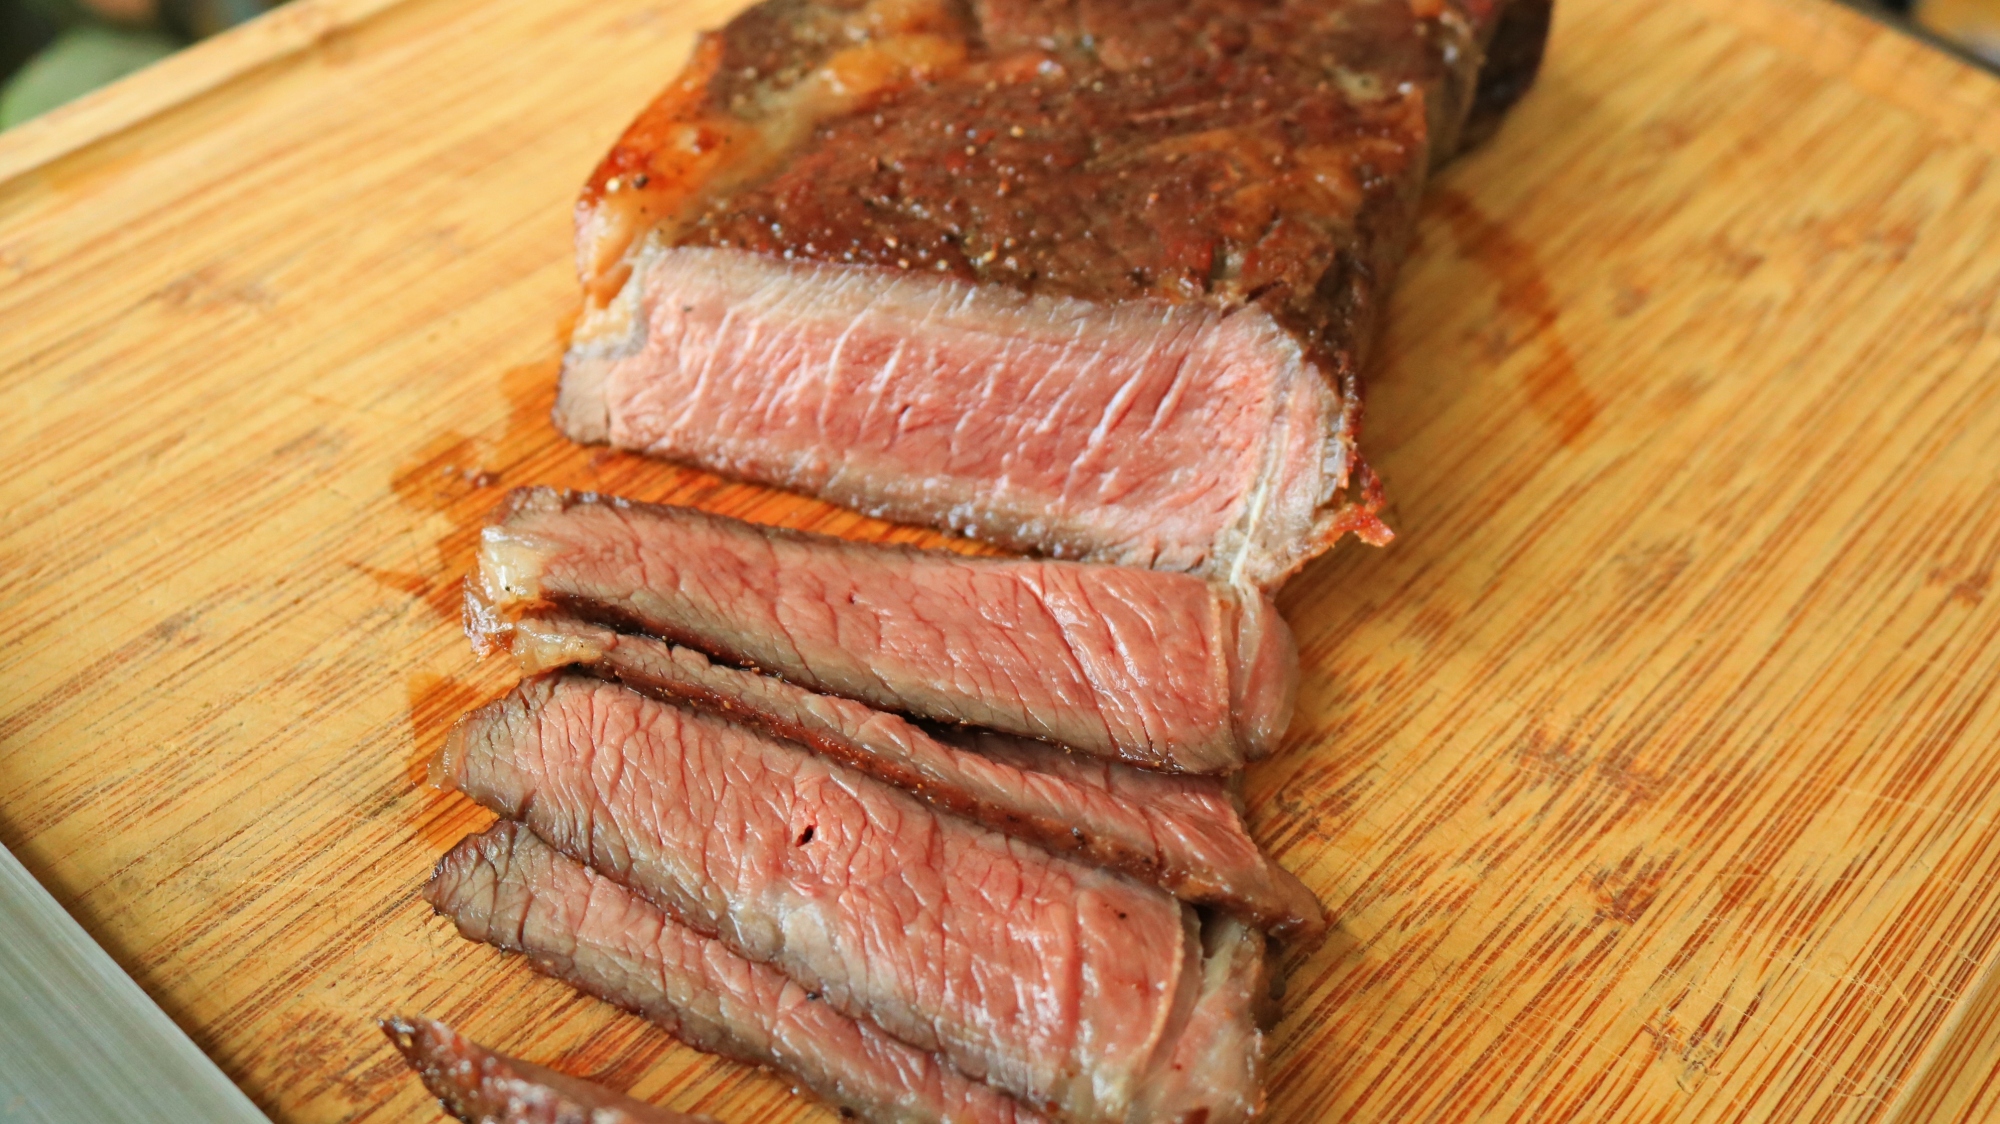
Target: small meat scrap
[
  {"x": 1182, "y": 833},
  {"x": 480, "y": 1086},
  {"x": 1159, "y": 670}
]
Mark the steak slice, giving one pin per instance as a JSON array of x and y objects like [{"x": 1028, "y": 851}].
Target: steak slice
[
  {"x": 1218, "y": 1062},
  {"x": 1065, "y": 985},
  {"x": 511, "y": 890},
  {"x": 1163, "y": 671},
  {"x": 480, "y": 1086},
  {"x": 1092, "y": 278},
  {"x": 1181, "y": 833}
]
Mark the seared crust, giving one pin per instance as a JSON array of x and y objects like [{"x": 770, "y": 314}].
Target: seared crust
[{"x": 1232, "y": 154}]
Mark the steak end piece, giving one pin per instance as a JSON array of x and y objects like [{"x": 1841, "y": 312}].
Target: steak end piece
[
  {"x": 1159, "y": 670},
  {"x": 1181, "y": 833},
  {"x": 480, "y": 1086},
  {"x": 1095, "y": 279},
  {"x": 509, "y": 889}
]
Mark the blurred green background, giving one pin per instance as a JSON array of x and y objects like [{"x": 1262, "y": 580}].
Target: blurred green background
[{"x": 53, "y": 51}]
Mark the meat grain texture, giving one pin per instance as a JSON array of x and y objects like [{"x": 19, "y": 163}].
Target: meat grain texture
[
  {"x": 1181, "y": 833},
  {"x": 1160, "y": 670},
  {"x": 511, "y": 890},
  {"x": 1078, "y": 991},
  {"x": 1091, "y": 279},
  {"x": 480, "y": 1086}
]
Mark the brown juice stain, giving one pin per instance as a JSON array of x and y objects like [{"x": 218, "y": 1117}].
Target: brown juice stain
[
  {"x": 1553, "y": 388},
  {"x": 416, "y": 585},
  {"x": 436, "y": 702},
  {"x": 448, "y": 818},
  {"x": 618, "y": 1056},
  {"x": 464, "y": 477}
]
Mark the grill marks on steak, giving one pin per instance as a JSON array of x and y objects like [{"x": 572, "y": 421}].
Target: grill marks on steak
[
  {"x": 511, "y": 890},
  {"x": 1066, "y": 985},
  {"x": 1098, "y": 284},
  {"x": 1160, "y": 670},
  {"x": 481, "y": 1086},
  {"x": 1183, "y": 834}
]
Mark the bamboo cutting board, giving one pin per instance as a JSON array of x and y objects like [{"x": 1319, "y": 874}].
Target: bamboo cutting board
[{"x": 1652, "y": 774}]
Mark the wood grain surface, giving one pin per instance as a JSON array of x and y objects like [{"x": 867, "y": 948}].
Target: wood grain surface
[{"x": 1652, "y": 774}]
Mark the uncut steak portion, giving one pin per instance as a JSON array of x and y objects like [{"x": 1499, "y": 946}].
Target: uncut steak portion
[
  {"x": 511, "y": 890},
  {"x": 482, "y": 1086},
  {"x": 1092, "y": 278},
  {"x": 1070, "y": 987},
  {"x": 1181, "y": 833},
  {"x": 1164, "y": 671}
]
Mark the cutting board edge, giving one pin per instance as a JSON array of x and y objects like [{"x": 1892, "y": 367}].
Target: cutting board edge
[
  {"x": 177, "y": 79},
  {"x": 1949, "y": 1081}
]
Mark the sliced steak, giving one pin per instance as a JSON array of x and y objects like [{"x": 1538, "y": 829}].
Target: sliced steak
[
  {"x": 1065, "y": 985},
  {"x": 1181, "y": 833},
  {"x": 1218, "y": 1062},
  {"x": 1092, "y": 278},
  {"x": 1164, "y": 671},
  {"x": 480, "y": 1086},
  {"x": 509, "y": 889}
]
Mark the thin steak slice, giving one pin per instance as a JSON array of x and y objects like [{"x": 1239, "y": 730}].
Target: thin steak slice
[
  {"x": 1164, "y": 671},
  {"x": 1092, "y": 278},
  {"x": 1068, "y": 986},
  {"x": 1218, "y": 1061},
  {"x": 480, "y": 1086},
  {"x": 1181, "y": 833},
  {"x": 511, "y": 890}
]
